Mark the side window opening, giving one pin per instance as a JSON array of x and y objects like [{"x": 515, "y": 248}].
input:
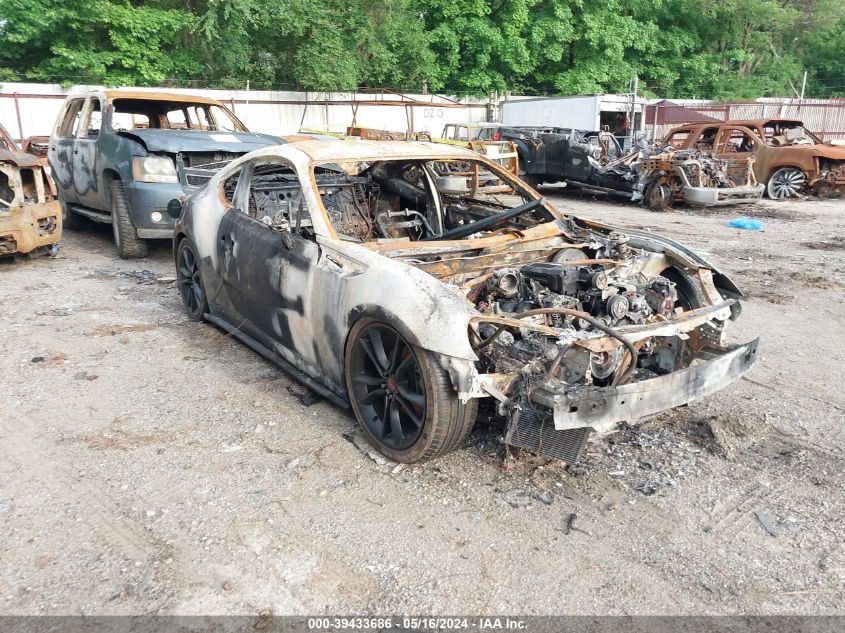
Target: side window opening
[
  {"x": 229, "y": 187},
  {"x": 276, "y": 199},
  {"x": 95, "y": 119},
  {"x": 677, "y": 139},
  {"x": 707, "y": 140},
  {"x": 70, "y": 122}
]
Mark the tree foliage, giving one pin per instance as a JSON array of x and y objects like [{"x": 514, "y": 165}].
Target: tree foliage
[{"x": 677, "y": 48}]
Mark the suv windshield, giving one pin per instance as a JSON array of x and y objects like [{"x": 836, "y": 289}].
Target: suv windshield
[
  {"x": 783, "y": 133},
  {"x": 133, "y": 114}
]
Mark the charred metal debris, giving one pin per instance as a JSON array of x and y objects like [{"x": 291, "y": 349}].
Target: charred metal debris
[
  {"x": 30, "y": 216},
  {"x": 649, "y": 173}
]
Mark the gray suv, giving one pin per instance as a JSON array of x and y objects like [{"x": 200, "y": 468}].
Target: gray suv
[{"x": 119, "y": 156}]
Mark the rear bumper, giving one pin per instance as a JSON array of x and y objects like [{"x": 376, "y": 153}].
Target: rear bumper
[
  {"x": 602, "y": 408},
  {"x": 714, "y": 197},
  {"x": 24, "y": 229}
]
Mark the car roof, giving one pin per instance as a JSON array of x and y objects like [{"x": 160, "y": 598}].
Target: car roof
[
  {"x": 326, "y": 151},
  {"x": 743, "y": 122},
  {"x": 150, "y": 95}
]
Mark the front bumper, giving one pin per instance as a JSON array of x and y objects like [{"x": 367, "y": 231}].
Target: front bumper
[
  {"x": 32, "y": 226},
  {"x": 715, "y": 197},
  {"x": 148, "y": 197},
  {"x": 602, "y": 408}
]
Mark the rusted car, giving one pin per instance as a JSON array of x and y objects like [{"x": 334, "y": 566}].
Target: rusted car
[
  {"x": 788, "y": 158},
  {"x": 30, "y": 218},
  {"x": 114, "y": 156},
  {"x": 374, "y": 273}
]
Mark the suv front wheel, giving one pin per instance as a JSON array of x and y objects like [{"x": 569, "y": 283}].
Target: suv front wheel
[{"x": 129, "y": 245}]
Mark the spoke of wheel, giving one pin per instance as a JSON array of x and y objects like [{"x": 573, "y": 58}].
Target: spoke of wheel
[
  {"x": 395, "y": 423},
  {"x": 414, "y": 398},
  {"x": 384, "y": 414},
  {"x": 378, "y": 348},
  {"x": 188, "y": 258},
  {"x": 364, "y": 379},
  {"x": 372, "y": 396},
  {"x": 403, "y": 362},
  {"x": 368, "y": 349},
  {"x": 415, "y": 417},
  {"x": 197, "y": 293},
  {"x": 397, "y": 346}
]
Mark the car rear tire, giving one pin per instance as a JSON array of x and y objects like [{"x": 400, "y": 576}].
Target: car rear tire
[
  {"x": 70, "y": 220},
  {"x": 189, "y": 280},
  {"x": 786, "y": 182},
  {"x": 129, "y": 245},
  {"x": 402, "y": 396}
]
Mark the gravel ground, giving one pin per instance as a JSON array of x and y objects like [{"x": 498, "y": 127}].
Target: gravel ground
[{"x": 153, "y": 465}]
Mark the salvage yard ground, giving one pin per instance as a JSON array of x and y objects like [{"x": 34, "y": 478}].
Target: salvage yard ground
[{"x": 149, "y": 464}]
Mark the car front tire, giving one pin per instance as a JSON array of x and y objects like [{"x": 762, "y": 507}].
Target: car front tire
[
  {"x": 129, "y": 245},
  {"x": 786, "y": 182},
  {"x": 402, "y": 396}
]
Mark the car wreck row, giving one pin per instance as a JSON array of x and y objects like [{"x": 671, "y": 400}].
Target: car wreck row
[{"x": 378, "y": 275}]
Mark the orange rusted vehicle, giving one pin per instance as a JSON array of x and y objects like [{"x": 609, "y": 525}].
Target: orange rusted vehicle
[
  {"x": 30, "y": 220},
  {"x": 789, "y": 159}
]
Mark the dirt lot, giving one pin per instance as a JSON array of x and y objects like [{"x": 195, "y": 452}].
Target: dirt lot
[{"x": 152, "y": 465}]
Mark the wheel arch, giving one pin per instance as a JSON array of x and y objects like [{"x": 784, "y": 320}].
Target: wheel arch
[{"x": 458, "y": 363}]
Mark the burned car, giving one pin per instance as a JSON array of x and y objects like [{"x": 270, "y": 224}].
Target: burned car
[
  {"x": 115, "y": 156},
  {"x": 380, "y": 276},
  {"x": 649, "y": 173},
  {"x": 788, "y": 158},
  {"x": 30, "y": 218}
]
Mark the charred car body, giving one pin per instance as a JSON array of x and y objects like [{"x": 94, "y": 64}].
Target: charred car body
[
  {"x": 369, "y": 271},
  {"x": 788, "y": 158},
  {"x": 653, "y": 174},
  {"x": 114, "y": 156},
  {"x": 30, "y": 218}
]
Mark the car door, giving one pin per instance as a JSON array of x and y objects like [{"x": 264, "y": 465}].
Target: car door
[
  {"x": 736, "y": 144},
  {"x": 62, "y": 145},
  {"x": 268, "y": 258},
  {"x": 85, "y": 180}
]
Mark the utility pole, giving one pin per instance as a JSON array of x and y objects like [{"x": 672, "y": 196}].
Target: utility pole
[{"x": 803, "y": 85}]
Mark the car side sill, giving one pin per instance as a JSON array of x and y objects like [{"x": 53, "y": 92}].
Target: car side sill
[
  {"x": 284, "y": 365},
  {"x": 97, "y": 216}
]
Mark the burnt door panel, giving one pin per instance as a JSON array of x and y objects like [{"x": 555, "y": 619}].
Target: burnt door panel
[
  {"x": 264, "y": 277},
  {"x": 85, "y": 155},
  {"x": 60, "y": 153}
]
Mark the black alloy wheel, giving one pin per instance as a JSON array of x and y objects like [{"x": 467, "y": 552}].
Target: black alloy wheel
[
  {"x": 190, "y": 281},
  {"x": 387, "y": 386}
]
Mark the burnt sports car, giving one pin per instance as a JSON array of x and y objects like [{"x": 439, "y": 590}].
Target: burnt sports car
[{"x": 416, "y": 283}]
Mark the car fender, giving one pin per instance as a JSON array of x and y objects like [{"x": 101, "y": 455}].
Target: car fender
[{"x": 423, "y": 309}]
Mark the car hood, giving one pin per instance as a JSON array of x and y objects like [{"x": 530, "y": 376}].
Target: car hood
[
  {"x": 18, "y": 159},
  {"x": 836, "y": 152},
  {"x": 173, "y": 141}
]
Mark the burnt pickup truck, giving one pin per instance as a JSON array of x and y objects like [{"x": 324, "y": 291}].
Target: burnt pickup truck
[{"x": 119, "y": 156}]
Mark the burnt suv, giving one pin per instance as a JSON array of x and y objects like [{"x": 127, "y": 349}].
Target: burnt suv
[
  {"x": 788, "y": 158},
  {"x": 119, "y": 156}
]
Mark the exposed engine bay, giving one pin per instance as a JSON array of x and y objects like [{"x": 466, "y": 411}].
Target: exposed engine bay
[{"x": 581, "y": 293}]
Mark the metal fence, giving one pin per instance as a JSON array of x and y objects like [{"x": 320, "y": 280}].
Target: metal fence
[
  {"x": 824, "y": 117},
  {"x": 31, "y": 109}
]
